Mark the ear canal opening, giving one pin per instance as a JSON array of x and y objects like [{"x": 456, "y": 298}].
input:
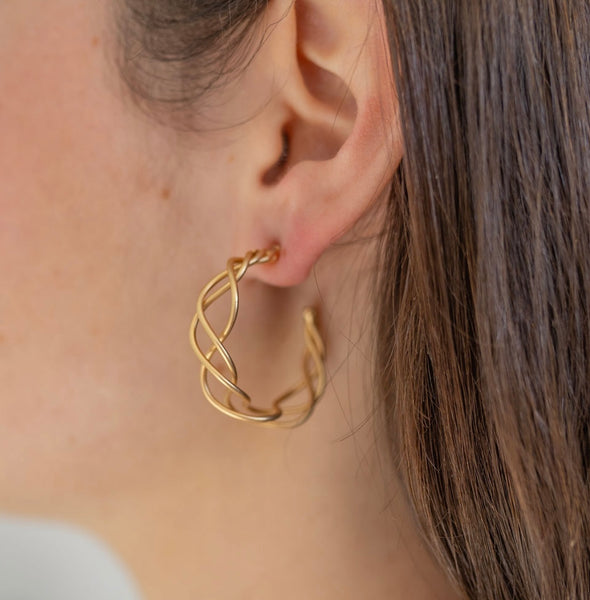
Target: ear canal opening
[{"x": 275, "y": 173}]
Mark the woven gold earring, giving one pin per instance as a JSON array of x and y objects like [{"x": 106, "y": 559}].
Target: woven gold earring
[{"x": 281, "y": 413}]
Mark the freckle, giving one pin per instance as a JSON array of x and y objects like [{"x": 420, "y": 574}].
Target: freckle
[
  {"x": 95, "y": 41},
  {"x": 2, "y": 339},
  {"x": 165, "y": 194},
  {"x": 95, "y": 331},
  {"x": 231, "y": 159}
]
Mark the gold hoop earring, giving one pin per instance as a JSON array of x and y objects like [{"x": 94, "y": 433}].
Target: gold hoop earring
[{"x": 314, "y": 372}]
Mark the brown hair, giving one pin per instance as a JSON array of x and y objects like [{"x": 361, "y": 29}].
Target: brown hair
[
  {"x": 482, "y": 352},
  {"x": 484, "y": 290},
  {"x": 172, "y": 53}
]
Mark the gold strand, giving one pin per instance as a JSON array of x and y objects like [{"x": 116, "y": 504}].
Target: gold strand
[{"x": 314, "y": 372}]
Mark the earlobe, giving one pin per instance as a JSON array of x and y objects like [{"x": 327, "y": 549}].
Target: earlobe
[{"x": 343, "y": 134}]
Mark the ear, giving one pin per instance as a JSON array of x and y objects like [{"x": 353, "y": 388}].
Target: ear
[{"x": 334, "y": 114}]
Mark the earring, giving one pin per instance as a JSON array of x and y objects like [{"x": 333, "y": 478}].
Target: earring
[{"x": 281, "y": 413}]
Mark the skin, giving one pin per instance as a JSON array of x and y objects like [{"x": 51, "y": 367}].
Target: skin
[{"x": 109, "y": 225}]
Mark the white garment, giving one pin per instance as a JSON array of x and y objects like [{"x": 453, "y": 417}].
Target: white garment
[{"x": 42, "y": 560}]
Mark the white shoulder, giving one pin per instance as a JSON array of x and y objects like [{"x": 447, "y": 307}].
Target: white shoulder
[{"x": 42, "y": 560}]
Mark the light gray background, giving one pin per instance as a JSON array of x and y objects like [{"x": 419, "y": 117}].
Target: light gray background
[{"x": 49, "y": 561}]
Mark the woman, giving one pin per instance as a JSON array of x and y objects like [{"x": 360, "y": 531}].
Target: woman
[{"x": 423, "y": 169}]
